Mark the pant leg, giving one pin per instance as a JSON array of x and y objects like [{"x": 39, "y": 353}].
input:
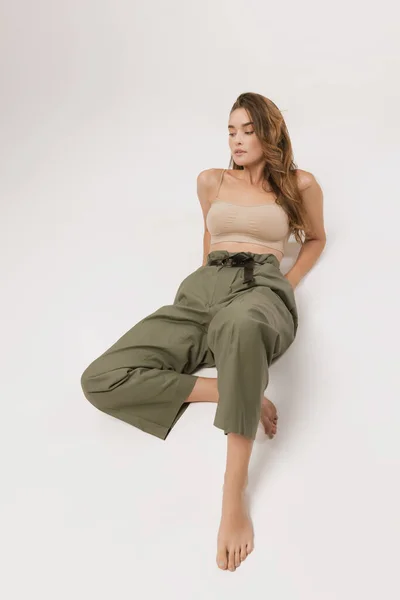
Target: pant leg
[
  {"x": 145, "y": 377},
  {"x": 246, "y": 337}
]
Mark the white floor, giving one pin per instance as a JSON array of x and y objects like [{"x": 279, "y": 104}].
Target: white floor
[{"x": 99, "y": 224}]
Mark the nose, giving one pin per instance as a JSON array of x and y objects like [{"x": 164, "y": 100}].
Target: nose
[{"x": 239, "y": 138}]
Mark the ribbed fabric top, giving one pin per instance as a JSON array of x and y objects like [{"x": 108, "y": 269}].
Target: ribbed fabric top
[{"x": 263, "y": 224}]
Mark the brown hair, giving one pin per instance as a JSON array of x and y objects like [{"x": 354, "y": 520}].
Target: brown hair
[{"x": 280, "y": 168}]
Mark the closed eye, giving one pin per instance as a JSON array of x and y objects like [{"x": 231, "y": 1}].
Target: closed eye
[{"x": 246, "y": 132}]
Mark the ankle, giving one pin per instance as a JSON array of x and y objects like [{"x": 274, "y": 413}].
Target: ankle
[{"x": 204, "y": 390}]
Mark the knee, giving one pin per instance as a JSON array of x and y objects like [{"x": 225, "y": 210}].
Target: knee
[
  {"x": 236, "y": 321},
  {"x": 242, "y": 328},
  {"x": 90, "y": 383},
  {"x": 85, "y": 377},
  {"x": 101, "y": 379}
]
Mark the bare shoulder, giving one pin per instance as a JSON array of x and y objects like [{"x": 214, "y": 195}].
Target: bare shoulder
[
  {"x": 207, "y": 182},
  {"x": 305, "y": 179},
  {"x": 208, "y": 178}
]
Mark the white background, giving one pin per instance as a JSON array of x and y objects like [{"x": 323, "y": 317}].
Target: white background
[{"x": 109, "y": 110}]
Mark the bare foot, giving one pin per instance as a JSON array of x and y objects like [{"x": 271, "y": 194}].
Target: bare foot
[
  {"x": 235, "y": 535},
  {"x": 269, "y": 417}
]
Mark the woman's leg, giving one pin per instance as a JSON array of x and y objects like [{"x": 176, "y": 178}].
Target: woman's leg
[
  {"x": 231, "y": 549},
  {"x": 245, "y": 338},
  {"x": 145, "y": 378},
  {"x": 235, "y": 536},
  {"x": 206, "y": 390}
]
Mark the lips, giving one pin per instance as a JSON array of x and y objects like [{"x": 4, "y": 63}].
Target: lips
[{"x": 240, "y": 152}]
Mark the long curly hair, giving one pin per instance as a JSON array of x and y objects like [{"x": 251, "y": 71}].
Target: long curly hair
[{"x": 280, "y": 168}]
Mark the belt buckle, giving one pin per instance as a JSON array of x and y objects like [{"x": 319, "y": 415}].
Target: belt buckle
[
  {"x": 227, "y": 261},
  {"x": 242, "y": 259}
]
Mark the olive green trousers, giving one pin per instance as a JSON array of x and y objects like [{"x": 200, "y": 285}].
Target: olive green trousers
[{"x": 216, "y": 320}]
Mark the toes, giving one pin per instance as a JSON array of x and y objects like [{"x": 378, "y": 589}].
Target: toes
[
  {"x": 231, "y": 560},
  {"x": 269, "y": 417},
  {"x": 237, "y": 557},
  {"x": 268, "y": 429},
  {"x": 243, "y": 553},
  {"x": 250, "y": 547},
  {"x": 272, "y": 417},
  {"x": 272, "y": 414},
  {"x": 222, "y": 560}
]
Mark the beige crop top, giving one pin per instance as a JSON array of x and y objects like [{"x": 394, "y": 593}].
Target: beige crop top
[{"x": 264, "y": 224}]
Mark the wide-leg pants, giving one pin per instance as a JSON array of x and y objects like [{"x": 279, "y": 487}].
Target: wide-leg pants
[{"x": 216, "y": 320}]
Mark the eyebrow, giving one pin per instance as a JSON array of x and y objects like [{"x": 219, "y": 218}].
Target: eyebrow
[{"x": 243, "y": 125}]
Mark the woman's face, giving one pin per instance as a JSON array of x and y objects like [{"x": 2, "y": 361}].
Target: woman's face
[{"x": 242, "y": 136}]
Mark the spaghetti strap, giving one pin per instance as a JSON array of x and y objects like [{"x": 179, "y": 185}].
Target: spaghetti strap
[{"x": 220, "y": 182}]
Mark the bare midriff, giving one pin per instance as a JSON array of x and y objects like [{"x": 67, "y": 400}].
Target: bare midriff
[{"x": 245, "y": 247}]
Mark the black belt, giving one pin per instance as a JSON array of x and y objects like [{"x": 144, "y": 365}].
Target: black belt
[{"x": 238, "y": 260}]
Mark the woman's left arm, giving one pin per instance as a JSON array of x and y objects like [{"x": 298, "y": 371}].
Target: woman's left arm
[{"x": 313, "y": 246}]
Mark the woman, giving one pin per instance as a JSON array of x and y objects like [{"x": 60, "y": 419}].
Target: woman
[{"x": 236, "y": 312}]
